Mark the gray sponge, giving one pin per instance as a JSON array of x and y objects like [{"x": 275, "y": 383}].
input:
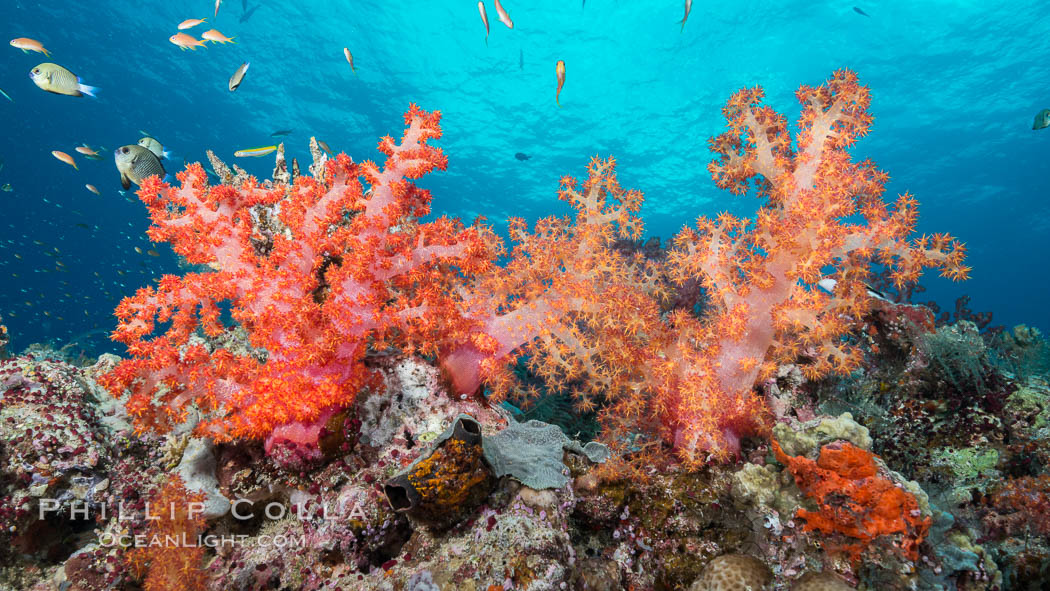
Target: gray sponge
[{"x": 532, "y": 453}]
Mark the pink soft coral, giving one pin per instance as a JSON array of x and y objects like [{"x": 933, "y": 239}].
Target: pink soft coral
[{"x": 823, "y": 218}]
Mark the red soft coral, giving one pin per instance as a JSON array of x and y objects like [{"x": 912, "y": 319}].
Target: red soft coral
[{"x": 315, "y": 273}]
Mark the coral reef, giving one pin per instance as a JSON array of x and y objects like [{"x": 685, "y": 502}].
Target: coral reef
[
  {"x": 327, "y": 399},
  {"x": 598, "y": 531},
  {"x": 4, "y": 340}
]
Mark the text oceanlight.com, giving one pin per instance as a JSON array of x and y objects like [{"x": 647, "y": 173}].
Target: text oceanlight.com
[{"x": 202, "y": 541}]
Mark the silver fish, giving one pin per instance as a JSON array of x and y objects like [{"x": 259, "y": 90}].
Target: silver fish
[
  {"x": 135, "y": 163},
  {"x": 238, "y": 76}
]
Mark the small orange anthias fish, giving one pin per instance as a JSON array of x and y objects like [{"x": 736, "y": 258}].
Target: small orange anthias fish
[
  {"x": 86, "y": 151},
  {"x": 559, "y": 69},
  {"x": 190, "y": 23},
  {"x": 503, "y": 16},
  {"x": 217, "y": 3},
  {"x": 186, "y": 41},
  {"x": 350, "y": 59},
  {"x": 64, "y": 158},
  {"x": 484, "y": 19},
  {"x": 26, "y": 44},
  {"x": 216, "y": 36}
]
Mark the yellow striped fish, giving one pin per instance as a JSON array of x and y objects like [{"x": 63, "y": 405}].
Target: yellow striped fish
[{"x": 255, "y": 151}]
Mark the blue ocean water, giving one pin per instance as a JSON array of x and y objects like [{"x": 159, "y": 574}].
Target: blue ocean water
[{"x": 955, "y": 87}]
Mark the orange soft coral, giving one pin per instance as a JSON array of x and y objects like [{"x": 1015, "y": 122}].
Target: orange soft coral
[
  {"x": 564, "y": 288},
  {"x": 168, "y": 556},
  {"x": 853, "y": 499},
  {"x": 589, "y": 315},
  {"x": 315, "y": 273}
]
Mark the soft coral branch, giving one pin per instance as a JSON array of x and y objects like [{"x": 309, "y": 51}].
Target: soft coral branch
[
  {"x": 761, "y": 273},
  {"x": 560, "y": 276}
]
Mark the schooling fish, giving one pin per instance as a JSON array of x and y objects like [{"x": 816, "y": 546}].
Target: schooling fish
[
  {"x": 255, "y": 151},
  {"x": 1042, "y": 119},
  {"x": 217, "y": 3},
  {"x": 559, "y": 69},
  {"x": 135, "y": 163},
  {"x": 26, "y": 45},
  {"x": 58, "y": 80},
  {"x": 688, "y": 7},
  {"x": 93, "y": 189},
  {"x": 350, "y": 60},
  {"x": 484, "y": 19},
  {"x": 215, "y": 36},
  {"x": 185, "y": 41},
  {"x": 6, "y": 96},
  {"x": 190, "y": 23},
  {"x": 156, "y": 147},
  {"x": 503, "y": 16},
  {"x": 238, "y": 76},
  {"x": 522, "y": 156},
  {"x": 324, "y": 146},
  {"x": 282, "y": 132},
  {"x": 89, "y": 152},
  {"x": 65, "y": 158},
  {"x": 860, "y": 12}
]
